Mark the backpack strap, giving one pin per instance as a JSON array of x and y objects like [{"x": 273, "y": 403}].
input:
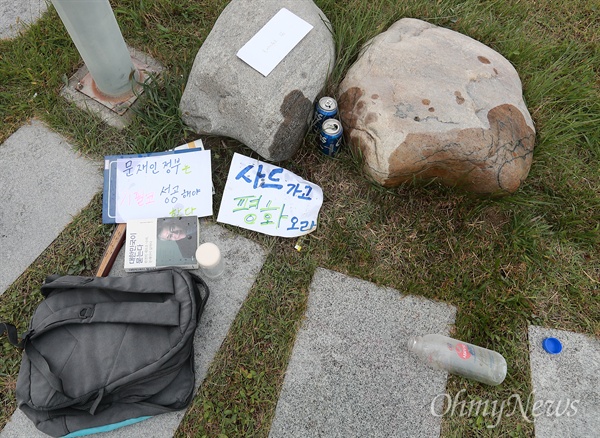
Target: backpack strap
[
  {"x": 34, "y": 356},
  {"x": 160, "y": 314},
  {"x": 42, "y": 366},
  {"x": 149, "y": 282},
  {"x": 11, "y": 332},
  {"x": 200, "y": 299}
]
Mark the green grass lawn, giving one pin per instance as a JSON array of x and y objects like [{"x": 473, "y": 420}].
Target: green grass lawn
[{"x": 530, "y": 258}]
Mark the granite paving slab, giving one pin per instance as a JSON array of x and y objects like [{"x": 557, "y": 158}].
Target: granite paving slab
[
  {"x": 566, "y": 386},
  {"x": 45, "y": 183},
  {"x": 350, "y": 374},
  {"x": 16, "y": 15}
]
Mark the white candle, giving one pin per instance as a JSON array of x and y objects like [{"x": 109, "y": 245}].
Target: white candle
[{"x": 210, "y": 260}]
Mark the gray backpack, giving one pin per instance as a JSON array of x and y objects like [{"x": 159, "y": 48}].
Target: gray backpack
[{"x": 104, "y": 352}]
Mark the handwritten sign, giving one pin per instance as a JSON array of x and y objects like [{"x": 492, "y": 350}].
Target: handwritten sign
[
  {"x": 274, "y": 41},
  {"x": 269, "y": 199},
  {"x": 161, "y": 185}
]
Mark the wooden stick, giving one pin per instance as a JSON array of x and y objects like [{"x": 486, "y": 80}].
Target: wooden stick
[{"x": 112, "y": 250}]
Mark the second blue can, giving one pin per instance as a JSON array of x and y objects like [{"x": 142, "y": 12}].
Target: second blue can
[{"x": 330, "y": 137}]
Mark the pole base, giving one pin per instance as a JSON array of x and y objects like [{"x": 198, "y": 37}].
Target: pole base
[{"x": 81, "y": 90}]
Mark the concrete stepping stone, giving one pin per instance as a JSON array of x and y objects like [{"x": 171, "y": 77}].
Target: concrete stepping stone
[
  {"x": 15, "y": 15},
  {"x": 566, "y": 385},
  {"x": 244, "y": 260},
  {"x": 44, "y": 184},
  {"x": 350, "y": 373}
]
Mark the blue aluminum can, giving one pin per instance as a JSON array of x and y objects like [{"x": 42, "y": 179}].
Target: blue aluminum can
[
  {"x": 330, "y": 137},
  {"x": 326, "y": 108}
]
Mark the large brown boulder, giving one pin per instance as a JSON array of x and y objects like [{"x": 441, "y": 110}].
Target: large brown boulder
[{"x": 426, "y": 102}]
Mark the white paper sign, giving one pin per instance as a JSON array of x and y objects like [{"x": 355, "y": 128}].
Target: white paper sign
[
  {"x": 269, "y": 199},
  {"x": 165, "y": 185},
  {"x": 274, "y": 41}
]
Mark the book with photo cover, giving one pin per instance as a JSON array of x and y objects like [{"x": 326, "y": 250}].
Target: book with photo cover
[{"x": 156, "y": 243}]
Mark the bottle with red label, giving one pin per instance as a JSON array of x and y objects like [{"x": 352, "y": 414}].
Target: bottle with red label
[{"x": 461, "y": 358}]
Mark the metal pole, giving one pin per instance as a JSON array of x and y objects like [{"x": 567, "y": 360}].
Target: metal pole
[{"x": 96, "y": 34}]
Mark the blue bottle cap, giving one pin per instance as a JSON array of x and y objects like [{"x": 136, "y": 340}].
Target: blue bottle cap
[{"x": 552, "y": 345}]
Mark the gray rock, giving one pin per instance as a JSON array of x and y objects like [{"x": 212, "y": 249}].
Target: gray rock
[
  {"x": 426, "y": 102},
  {"x": 225, "y": 96}
]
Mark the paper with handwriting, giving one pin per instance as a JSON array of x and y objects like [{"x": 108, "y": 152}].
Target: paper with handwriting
[
  {"x": 274, "y": 41},
  {"x": 269, "y": 199}
]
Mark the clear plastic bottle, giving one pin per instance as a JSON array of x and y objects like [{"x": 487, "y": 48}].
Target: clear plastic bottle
[{"x": 461, "y": 358}]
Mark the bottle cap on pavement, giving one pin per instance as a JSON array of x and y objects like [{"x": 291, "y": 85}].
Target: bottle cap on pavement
[{"x": 552, "y": 345}]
